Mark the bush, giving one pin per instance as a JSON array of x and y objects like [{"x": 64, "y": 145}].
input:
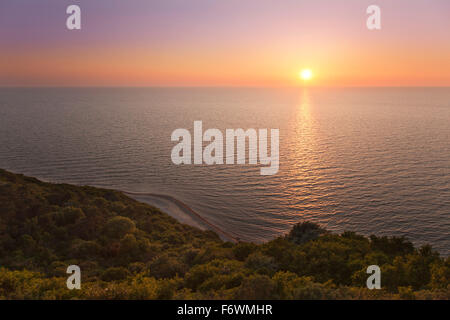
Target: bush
[
  {"x": 256, "y": 287},
  {"x": 406, "y": 293},
  {"x": 85, "y": 249},
  {"x": 119, "y": 226},
  {"x": 166, "y": 267},
  {"x": 260, "y": 263},
  {"x": 243, "y": 249},
  {"x": 115, "y": 274},
  {"x": 304, "y": 232}
]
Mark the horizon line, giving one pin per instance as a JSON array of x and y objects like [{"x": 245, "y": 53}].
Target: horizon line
[{"x": 220, "y": 86}]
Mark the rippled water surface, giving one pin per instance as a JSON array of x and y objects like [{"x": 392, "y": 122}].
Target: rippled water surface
[{"x": 375, "y": 161}]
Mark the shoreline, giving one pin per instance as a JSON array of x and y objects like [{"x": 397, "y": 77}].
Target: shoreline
[
  {"x": 169, "y": 205},
  {"x": 180, "y": 211}
]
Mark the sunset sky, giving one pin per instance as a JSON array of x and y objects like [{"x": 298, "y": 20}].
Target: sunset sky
[{"x": 224, "y": 43}]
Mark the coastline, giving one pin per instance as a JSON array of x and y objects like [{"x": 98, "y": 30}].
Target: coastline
[
  {"x": 169, "y": 205},
  {"x": 117, "y": 248},
  {"x": 179, "y": 211},
  {"x": 175, "y": 208}
]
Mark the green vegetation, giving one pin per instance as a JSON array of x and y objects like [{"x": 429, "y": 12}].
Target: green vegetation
[{"x": 129, "y": 250}]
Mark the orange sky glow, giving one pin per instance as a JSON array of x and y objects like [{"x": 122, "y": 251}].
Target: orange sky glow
[{"x": 268, "y": 48}]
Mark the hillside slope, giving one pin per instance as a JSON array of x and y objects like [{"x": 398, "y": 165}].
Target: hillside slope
[{"x": 130, "y": 250}]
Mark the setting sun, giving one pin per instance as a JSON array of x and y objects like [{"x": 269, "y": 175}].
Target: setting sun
[{"x": 306, "y": 74}]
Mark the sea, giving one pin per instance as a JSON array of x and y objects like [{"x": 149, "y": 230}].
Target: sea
[{"x": 369, "y": 160}]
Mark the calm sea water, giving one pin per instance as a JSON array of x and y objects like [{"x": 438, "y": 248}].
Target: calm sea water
[{"x": 375, "y": 161}]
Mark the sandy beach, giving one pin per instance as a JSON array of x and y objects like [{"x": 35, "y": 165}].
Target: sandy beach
[{"x": 180, "y": 211}]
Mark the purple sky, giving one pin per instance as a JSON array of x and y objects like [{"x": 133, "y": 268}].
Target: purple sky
[{"x": 227, "y": 42}]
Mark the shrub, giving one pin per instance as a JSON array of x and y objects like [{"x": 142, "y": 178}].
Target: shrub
[
  {"x": 119, "y": 226},
  {"x": 256, "y": 287},
  {"x": 243, "y": 249},
  {"x": 304, "y": 232},
  {"x": 260, "y": 263},
  {"x": 115, "y": 274}
]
